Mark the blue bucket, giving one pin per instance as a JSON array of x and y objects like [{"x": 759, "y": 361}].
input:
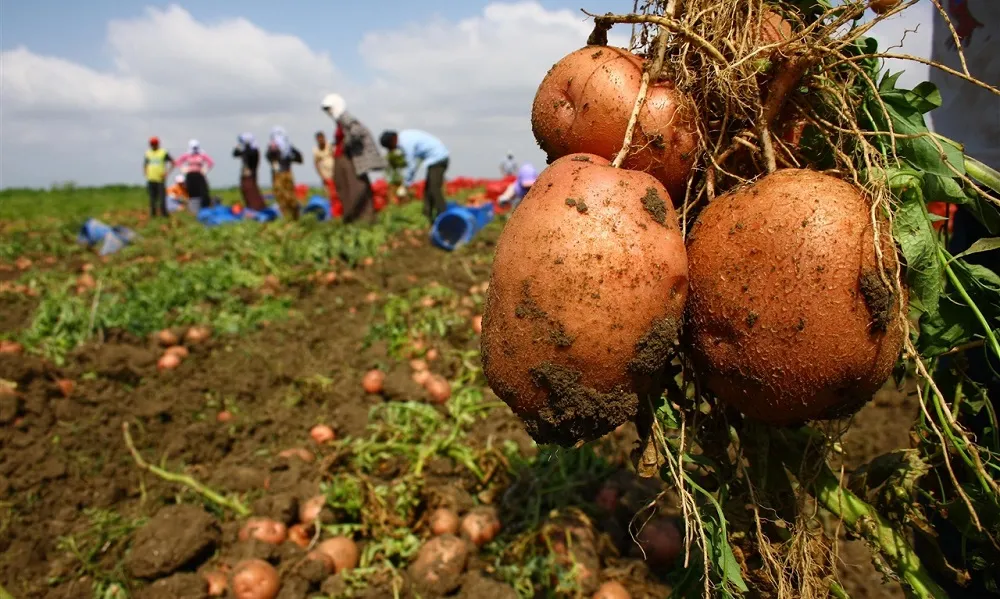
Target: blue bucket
[
  {"x": 457, "y": 225},
  {"x": 318, "y": 206}
]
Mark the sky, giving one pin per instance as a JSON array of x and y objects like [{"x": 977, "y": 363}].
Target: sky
[{"x": 84, "y": 84}]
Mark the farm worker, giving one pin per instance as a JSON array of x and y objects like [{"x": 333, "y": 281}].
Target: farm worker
[
  {"x": 248, "y": 153},
  {"x": 508, "y": 168},
  {"x": 156, "y": 166},
  {"x": 516, "y": 191},
  {"x": 195, "y": 164},
  {"x": 323, "y": 161},
  {"x": 355, "y": 156},
  {"x": 281, "y": 154},
  {"x": 420, "y": 147}
]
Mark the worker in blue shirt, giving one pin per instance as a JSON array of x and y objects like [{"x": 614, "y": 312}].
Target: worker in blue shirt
[{"x": 420, "y": 147}]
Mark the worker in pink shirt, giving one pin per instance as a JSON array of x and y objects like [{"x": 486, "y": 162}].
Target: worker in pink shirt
[{"x": 195, "y": 164}]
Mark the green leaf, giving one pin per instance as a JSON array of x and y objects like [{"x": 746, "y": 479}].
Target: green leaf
[
  {"x": 950, "y": 326},
  {"x": 981, "y": 245},
  {"x": 938, "y": 188},
  {"x": 912, "y": 229},
  {"x": 921, "y": 152},
  {"x": 723, "y": 558},
  {"x": 927, "y": 97}
]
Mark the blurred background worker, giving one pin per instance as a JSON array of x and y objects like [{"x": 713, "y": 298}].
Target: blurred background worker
[
  {"x": 355, "y": 156},
  {"x": 156, "y": 166},
  {"x": 323, "y": 161},
  {"x": 281, "y": 154},
  {"x": 508, "y": 168},
  {"x": 195, "y": 164},
  {"x": 516, "y": 191},
  {"x": 248, "y": 153},
  {"x": 420, "y": 147}
]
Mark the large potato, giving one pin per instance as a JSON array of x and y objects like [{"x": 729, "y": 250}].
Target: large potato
[
  {"x": 584, "y": 103},
  {"x": 585, "y": 300},
  {"x": 788, "y": 317}
]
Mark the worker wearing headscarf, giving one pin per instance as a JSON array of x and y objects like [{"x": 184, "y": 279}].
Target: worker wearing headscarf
[
  {"x": 195, "y": 165},
  {"x": 516, "y": 191},
  {"x": 281, "y": 154},
  {"x": 248, "y": 153},
  {"x": 355, "y": 156}
]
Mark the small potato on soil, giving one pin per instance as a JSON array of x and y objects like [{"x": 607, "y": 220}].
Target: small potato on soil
[
  {"x": 373, "y": 381},
  {"x": 299, "y": 534},
  {"x": 297, "y": 452},
  {"x": 439, "y": 565},
  {"x": 197, "y": 334},
  {"x": 789, "y": 316},
  {"x": 217, "y": 583},
  {"x": 166, "y": 338},
  {"x": 255, "y": 579},
  {"x": 612, "y": 589},
  {"x": 322, "y": 433},
  {"x": 661, "y": 542},
  {"x": 443, "y": 521},
  {"x": 168, "y": 362},
  {"x": 343, "y": 551},
  {"x": 310, "y": 509},
  {"x": 265, "y": 530},
  {"x": 480, "y": 526},
  {"x": 585, "y": 301}
]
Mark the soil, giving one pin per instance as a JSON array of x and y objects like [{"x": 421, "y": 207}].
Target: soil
[{"x": 64, "y": 464}]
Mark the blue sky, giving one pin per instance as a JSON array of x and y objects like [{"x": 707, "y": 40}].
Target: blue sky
[
  {"x": 334, "y": 26},
  {"x": 103, "y": 75}
]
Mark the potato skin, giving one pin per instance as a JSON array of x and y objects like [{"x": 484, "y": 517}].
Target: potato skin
[
  {"x": 584, "y": 103},
  {"x": 585, "y": 300},
  {"x": 787, "y": 317}
]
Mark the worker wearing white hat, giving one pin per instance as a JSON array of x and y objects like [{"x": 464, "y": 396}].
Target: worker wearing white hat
[{"x": 355, "y": 156}]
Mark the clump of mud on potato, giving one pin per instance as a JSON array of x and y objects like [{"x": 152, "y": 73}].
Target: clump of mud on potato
[
  {"x": 585, "y": 301},
  {"x": 584, "y": 103},
  {"x": 789, "y": 318}
]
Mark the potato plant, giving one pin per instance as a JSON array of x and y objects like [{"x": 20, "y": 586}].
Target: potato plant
[{"x": 799, "y": 172}]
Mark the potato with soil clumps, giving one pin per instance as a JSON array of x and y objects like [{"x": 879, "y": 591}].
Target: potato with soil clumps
[
  {"x": 584, "y": 104},
  {"x": 585, "y": 300},
  {"x": 789, "y": 316}
]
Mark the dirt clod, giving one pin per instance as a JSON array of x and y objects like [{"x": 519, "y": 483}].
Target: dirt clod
[
  {"x": 655, "y": 205},
  {"x": 178, "y": 536},
  {"x": 576, "y": 411}
]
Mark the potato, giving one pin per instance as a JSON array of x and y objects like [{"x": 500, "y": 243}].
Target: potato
[
  {"x": 443, "y": 521},
  {"x": 612, "y": 590},
  {"x": 438, "y": 568},
  {"x": 585, "y": 301},
  {"x": 881, "y": 7},
  {"x": 255, "y": 579},
  {"x": 342, "y": 551},
  {"x": 480, "y": 526},
  {"x": 584, "y": 103},
  {"x": 661, "y": 542},
  {"x": 789, "y": 319}
]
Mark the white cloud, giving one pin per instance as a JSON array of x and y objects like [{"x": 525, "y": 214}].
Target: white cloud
[{"x": 470, "y": 81}]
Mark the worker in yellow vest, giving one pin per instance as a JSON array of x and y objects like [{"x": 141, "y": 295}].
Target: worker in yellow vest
[{"x": 156, "y": 166}]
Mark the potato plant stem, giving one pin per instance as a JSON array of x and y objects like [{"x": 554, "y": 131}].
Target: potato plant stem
[
  {"x": 183, "y": 479},
  {"x": 953, "y": 279},
  {"x": 863, "y": 520}
]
